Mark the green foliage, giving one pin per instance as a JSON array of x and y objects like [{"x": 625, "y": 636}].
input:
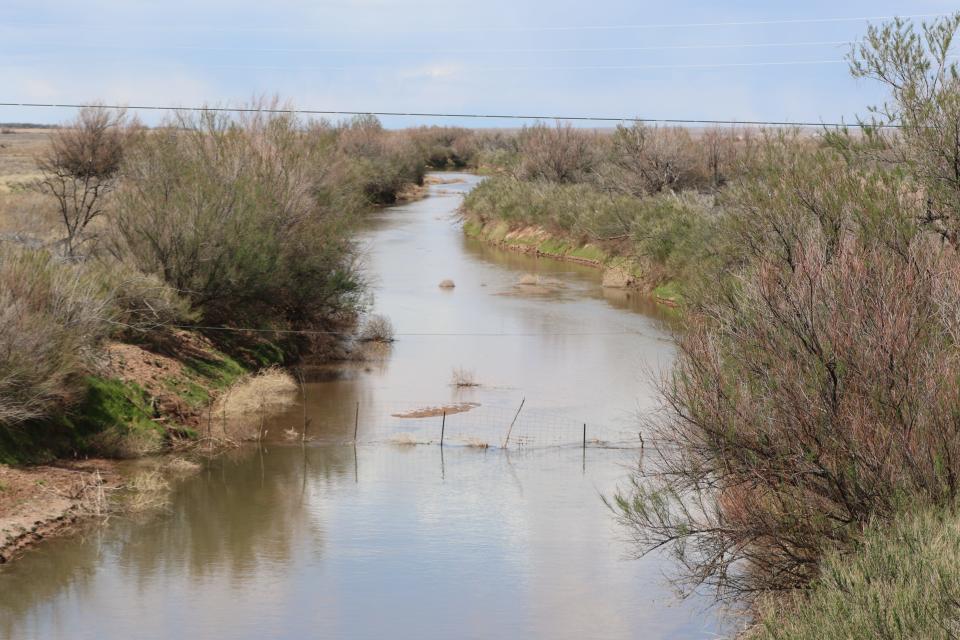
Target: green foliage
[
  {"x": 112, "y": 405},
  {"x": 674, "y": 234},
  {"x": 220, "y": 371},
  {"x": 227, "y": 212},
  {"x": 902, "y": 581},
  {"x": 378, "y": 164},
  {"x": 108, "y": 417},
  {"x": 444, "y": 147}
]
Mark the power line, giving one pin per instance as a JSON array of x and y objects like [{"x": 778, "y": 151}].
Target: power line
[
  {"x": 415, "y": 114},
  {"x": 539, "y": 68},
  {"x": 681, "y": 47},
  {"x": 611, "y": 67},
  {"x": 607, "y": 27}
]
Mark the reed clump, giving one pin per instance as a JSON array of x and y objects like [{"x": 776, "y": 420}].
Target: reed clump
[{"x": 242, "y": 410}]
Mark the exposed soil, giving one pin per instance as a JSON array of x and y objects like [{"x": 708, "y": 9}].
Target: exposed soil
[
  {"x": 39, "y": 502},
  {"x": 430, "y": 412},
  {"x": 439, "y": 180},
  {"x": 158, "y": 373}
]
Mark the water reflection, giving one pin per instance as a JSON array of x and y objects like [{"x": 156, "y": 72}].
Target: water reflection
[{"x": 374, "y": 541}]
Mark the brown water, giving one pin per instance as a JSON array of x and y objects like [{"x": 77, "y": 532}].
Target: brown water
[{"x": 389, "y": 540}]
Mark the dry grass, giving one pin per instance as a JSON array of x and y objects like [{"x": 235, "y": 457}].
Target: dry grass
[
  {"x": 377, "y": 328},
  {"x": 51, "y": 317},
  {"x": 240, "y": 412},
  {"x": 181, "y": 466},
  {"x": 464, "y": 378},
  {"x": 19, "y": 151},
  {"x": 146, "y": 491},
  {"x": 404, "y": 440}
]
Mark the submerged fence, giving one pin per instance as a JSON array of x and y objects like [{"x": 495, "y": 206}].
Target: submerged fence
[{"x": 523, "y": 426}]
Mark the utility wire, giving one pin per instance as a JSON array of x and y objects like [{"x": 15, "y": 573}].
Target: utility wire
[
  {"x": 607, "y": 27},
  {"x": 680, "y": 47},
  {"x": 541, "y": 68},
  {"x": 465, "y": 116},
  {"x": 613, "y": 67}
]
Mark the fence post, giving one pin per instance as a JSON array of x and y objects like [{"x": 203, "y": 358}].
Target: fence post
[
  {"x": 506, "y": 441},
  {"x": 443, "y": 428},
  {"x": 584, "y": 436},
  {"x": 356, "y": 423}
]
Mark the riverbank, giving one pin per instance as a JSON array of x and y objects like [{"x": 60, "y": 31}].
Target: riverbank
[
  {"x": 39, "y": 502},
  {"x": 658, "y": 244},
  {"x": 386, "y": 517},
  {"x": 137, "y": 403},
  {"x": 620, "y": 269}
]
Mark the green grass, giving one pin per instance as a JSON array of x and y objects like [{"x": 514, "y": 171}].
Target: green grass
[
  {"x": 473, "y": 228},
  {"x": 109, "y": 412},
  {"x": 221, "y": 371},
  {"x": 590, "y": 252},
  {"x": 903, "y": 582},
  {"x": 113, "y": 404},
  {"x": 669, "y": 291},
  {"x": 554, "y": 247},
  {"x": 188, "y": 391}
]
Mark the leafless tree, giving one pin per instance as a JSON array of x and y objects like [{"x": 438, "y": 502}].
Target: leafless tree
[
  {"x": 558, "y": 154},
  {"x": 81, "y": 166}
]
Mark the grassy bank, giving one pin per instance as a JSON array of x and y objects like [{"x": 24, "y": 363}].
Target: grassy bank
[{"x": 651, "y": 243}]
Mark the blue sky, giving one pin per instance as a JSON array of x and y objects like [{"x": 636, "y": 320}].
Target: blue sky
[{"x": 564, "y": 57}]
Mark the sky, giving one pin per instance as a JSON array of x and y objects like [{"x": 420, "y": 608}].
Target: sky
[{"x": 696, "y": 59}]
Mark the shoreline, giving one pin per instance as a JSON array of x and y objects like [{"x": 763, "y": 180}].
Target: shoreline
[
  {"x": 618, "y": 271},
  {"x": 142, "y": 401},
  {"x": 50, "y": 501}
]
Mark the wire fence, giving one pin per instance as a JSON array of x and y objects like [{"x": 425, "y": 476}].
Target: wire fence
[{"x": 468, "y": 424}]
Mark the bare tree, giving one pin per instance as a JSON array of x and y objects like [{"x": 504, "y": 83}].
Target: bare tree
[
  {"x": 654, "y": 160},
  {"x": 81, "y": 166},
  {"x": 558, "y": 154}
]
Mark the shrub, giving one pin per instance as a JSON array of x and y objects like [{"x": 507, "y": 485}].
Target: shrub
[
  {"x": 377, "y": 328},
  {"x": 145, "y": 308},
  {"x": 242, "y": 409},
  {"x": 228, "y": 213},
  {"x": 902, "y": 582},
  {"x": 672, "y": 234},
  {"x": 557, "y": 154},
  {"x": 813, "y": 391},
  {"x": 444, "y": 147},
  {"x": 51, "y": 318},
  {"x": 378, "y": 163},
  {"x": 464, "y": 378}
]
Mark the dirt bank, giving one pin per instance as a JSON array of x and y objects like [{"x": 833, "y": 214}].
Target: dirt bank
[{"x": 43, "y": 501}]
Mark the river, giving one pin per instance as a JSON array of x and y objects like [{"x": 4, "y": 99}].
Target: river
[{"x": 394, "y": 536}]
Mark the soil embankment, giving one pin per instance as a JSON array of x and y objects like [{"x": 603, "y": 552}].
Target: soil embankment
[
  {"x": 42, "y": 501},
  {"x": 620, "y": 269}
]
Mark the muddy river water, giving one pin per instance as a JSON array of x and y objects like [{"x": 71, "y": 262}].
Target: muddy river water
[{"x": 394, "y": 536}]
